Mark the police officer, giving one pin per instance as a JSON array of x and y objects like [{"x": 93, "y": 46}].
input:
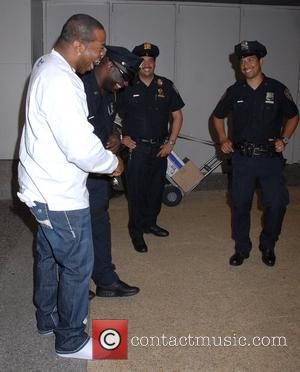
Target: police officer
[
  {"x": 146, "y": 107},
  {"x": 264, "y": 119},
  {"x": 113, "y": 72}
]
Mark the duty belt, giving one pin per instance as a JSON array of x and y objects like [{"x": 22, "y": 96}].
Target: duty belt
[
  {"x": 252, "y": 150},
  {"x": 150, "y": 141}
]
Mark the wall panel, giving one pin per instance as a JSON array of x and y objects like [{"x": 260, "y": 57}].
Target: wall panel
[
  {"x": 11, "y": 107},
  {"x": 15, "y": 31},
  {"x": 205, "y": 39},
  {"x": 57, "y": 13},
  {"x": 195, "y": 41},
  {"x": 133, "y": 24}
]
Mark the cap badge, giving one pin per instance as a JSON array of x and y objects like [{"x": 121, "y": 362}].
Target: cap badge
[
  {"x": 147, "y": 46},
  {"x": 244, "y": 45}
]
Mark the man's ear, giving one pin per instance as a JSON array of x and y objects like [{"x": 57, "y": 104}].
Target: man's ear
[
  {"x": 261, "y": 61},
  {"x": 78, "y": 46}
]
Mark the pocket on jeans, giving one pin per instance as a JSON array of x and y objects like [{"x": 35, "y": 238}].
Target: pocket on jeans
[{"x": 40, "y": 213}]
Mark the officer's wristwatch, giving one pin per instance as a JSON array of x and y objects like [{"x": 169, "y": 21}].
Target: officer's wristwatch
[
  {"x": 285, "y": 140},
  {"x": 171, "y": 142}
]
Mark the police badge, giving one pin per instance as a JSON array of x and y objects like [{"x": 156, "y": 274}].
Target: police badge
[
  {"x": 160, "y": 93},
  {"x": 269, "y": 97},
  {"x": 159, "y": 82}
]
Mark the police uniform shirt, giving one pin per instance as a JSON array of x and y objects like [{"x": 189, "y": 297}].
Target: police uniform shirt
[
  {"x": 101, "y": 107},
  {"x": 145, "y": 110},
  {"x": 258, "y": 114}
]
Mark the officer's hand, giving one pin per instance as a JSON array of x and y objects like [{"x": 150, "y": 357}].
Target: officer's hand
[
  {"x": 119, "y": 170},
  {"x": 226, "y": 146},
  {"x": 279, "y": 145},
  {"x": 165, "y": 150},
  {"x": 127, "y": 141},
  {"x": 113, "y": 143}
]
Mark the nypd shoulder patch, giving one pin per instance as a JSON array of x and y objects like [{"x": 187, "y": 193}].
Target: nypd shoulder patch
[{"x": 288, "y": 95}]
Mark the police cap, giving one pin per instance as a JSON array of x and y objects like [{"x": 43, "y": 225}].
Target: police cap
[
  {"x": 146, "y": 50},
  {"x": 127, "y": 62},
  {"x": 250, "y": 48}
]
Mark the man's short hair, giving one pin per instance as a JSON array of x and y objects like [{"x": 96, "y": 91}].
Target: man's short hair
[{"x": 80, "y": 27}]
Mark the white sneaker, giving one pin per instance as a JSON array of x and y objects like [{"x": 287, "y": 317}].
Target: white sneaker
[{"x": 85, "y": 353}]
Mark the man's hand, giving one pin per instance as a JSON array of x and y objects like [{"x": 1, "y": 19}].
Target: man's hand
[
  {"x": 226, "y": 146},
  {"x": 119, "y": 170},
  {"x": 113, "y": 143},
  {"x": 165, "y": 150},
  {"x": 128, "y": 142},
  {"x": 279, "y": 145}
]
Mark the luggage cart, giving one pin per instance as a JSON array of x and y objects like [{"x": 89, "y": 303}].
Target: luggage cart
[{"x": 173, "y": 194}]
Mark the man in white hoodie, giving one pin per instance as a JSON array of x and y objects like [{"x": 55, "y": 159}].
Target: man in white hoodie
[{"x": 58, "y": 150}]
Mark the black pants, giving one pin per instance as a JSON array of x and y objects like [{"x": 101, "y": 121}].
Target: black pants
[
  {"x": 104, "y": 270},
  {"x": 268, "y": 172},
  {"x": 145, "y": 174}
]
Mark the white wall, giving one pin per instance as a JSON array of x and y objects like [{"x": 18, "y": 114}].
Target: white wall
[
  {"x": 205, "y": 36},
  {"x": 56, "y": 14},
  {"x": 132, "y": 24},
  {"x": 37, "y": 29},
  {"x": 15, "y": 65},
  {"x": 195, "y": 39}
]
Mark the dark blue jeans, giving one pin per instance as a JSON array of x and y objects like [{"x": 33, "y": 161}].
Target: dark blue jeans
[{"x": 63, "y": 268}]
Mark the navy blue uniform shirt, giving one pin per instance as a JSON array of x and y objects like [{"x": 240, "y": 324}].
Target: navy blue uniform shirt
[
  {"x": 101, "y": 107},
  {"x": 258, "y": 114},
  {"x": 145, "y": 110}
]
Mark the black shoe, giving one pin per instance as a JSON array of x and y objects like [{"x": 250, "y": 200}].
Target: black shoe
[
  {"x": 268, "y": 257},
  {"x": 117, "y": 289},
  {"x": 237, "y": 259},
  {"x": 140, "y": 245},
  {"x": 91, "y": 295},
  {"x": 156, "y": 230}
]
